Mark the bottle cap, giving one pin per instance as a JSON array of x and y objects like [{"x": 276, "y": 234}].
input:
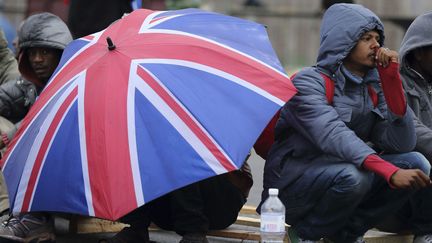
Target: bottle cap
[{"x": 273, "y": 191}]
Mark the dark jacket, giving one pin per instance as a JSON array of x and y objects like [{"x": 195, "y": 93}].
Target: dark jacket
[
  {"x": 39, "y": 30},
  {"x": 16, "y": 97},
  {"x": 310, "y": 131},
  {"x": 418, "y": 89},
  {"x": 8, "y": 75}
]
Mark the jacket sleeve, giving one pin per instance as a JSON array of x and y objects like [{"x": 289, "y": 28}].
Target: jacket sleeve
[
  {"x": 424, "y": 139},
  {"x": 392, "y": 133},
  {"x": 16, "y": 97},
  {"x": 8, "y": 63},
  {"x": 310, "y": 114}
]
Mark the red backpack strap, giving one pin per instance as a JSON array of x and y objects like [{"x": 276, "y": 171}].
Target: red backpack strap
[
  {"x": 265, "y": 140},
  {"x": 329, "y": 88},
  {"x": 373, "y": 95},
  {"x": 329, "y": 84}
]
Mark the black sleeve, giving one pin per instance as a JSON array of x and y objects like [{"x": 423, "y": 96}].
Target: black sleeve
[{"x": 16, "y": 97}]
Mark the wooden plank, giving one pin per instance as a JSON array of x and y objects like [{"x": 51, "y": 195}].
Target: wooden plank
[
  {"x": 247, "y": 221},
  {"x": 246, "y": 209},
  {"x": 375, "y": 236},
  {"x": 84, "y": 225}
]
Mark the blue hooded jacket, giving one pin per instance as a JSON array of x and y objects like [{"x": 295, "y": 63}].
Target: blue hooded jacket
[{"x": 311, "y": 131}]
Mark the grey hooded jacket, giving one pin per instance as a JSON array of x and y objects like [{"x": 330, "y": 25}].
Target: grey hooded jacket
[
  {"x": 418, "y": 89},
  {"x": 310, "y": 131},
  {"x": 39, "y": 30}
]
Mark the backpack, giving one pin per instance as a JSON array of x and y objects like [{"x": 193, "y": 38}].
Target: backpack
[{"x": 265, "y": 140}]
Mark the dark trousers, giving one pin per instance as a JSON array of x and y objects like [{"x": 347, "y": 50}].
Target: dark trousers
[
  {"x": 210, "y": 204},
  {"x": 341, "y": 202},
  {"x": 414, "y": 217},
  {"x": 417, "y": 213}
]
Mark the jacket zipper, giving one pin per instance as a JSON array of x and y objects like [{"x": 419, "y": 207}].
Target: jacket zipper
[{"x": 365, "y": 97}]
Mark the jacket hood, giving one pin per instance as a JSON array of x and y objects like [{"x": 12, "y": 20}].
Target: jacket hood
[
  {"x": 341, "y": 28},
  {"x": 40, "y": 30},
  {"x": 417, "y": 35}
]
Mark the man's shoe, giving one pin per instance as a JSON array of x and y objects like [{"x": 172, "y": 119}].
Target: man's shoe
[
  {"x": 194, "y": 238},
  {"x": 423, "y": 239},
  {"x": 27, "y": 228}
]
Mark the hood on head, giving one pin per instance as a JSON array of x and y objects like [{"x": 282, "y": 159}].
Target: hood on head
[
  {"x": 40, "y": 30},
  {"x": 417, "y": 35},
  {"x": 341, "y": 28}
]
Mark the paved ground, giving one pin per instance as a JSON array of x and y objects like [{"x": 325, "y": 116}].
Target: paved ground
[{"x": 256, "y": 164}]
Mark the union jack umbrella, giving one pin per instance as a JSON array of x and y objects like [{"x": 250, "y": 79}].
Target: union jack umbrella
[{"x": 157, "y": 101}]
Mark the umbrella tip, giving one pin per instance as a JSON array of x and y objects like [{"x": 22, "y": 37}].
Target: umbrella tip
[{"x": 111, "y": 45}]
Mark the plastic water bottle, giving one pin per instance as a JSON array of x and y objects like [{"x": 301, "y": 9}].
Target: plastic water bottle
[{"x": 272, "y": 218}]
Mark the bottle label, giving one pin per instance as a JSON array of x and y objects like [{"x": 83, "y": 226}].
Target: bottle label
[{"x": 272, "y": 223}]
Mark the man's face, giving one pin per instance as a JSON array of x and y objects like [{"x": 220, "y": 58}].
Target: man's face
[
  {"x": 44, "y": 61},
  {"x": 362, "y": 56},
  {"x": 424, "y": 59}
]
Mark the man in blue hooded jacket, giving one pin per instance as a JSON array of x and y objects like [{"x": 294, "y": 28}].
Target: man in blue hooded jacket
[{"x": 333, "y": 183}]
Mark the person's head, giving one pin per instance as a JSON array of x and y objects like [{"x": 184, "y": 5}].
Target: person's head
[
  {"x": 416, "y": 47},
  {"x": 362, "y": 57},
  {"x": 41, "y": 40},
  {"x": 43, "y": 61},
  {"x": 349, "y": 33},
  {"x": 421, "y": 60}
]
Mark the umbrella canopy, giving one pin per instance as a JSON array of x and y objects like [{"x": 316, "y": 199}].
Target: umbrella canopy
[{"x": 173, "y": 97}]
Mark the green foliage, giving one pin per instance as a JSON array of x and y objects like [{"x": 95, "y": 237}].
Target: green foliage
[{"x": 181, "y": 4}]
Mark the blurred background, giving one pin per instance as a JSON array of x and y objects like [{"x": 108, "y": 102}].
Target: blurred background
[{"x": 293, "y": 25}]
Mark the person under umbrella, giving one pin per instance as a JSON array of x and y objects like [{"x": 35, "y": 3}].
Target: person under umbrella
[{"x": 191, "y": 211}]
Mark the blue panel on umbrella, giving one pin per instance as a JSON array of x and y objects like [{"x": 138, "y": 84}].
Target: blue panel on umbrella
[
  {"x": 167, "y": 161},
  {"x": 63, "y": 191},
  {"x": 210, "y": 99},
  {"x": 225, "y": 30}
]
